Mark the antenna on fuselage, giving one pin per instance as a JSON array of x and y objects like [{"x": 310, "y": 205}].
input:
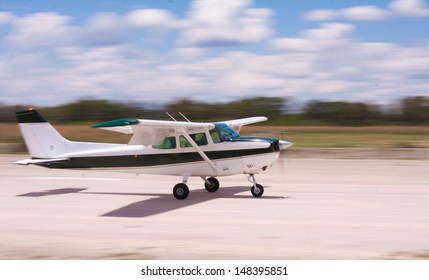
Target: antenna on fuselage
[
  {"x": 184, "y": 117},
  {"x": 171, "y": 117}
]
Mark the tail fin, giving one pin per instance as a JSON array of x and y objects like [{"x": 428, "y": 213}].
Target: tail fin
[{"x": 41, "y": 138}]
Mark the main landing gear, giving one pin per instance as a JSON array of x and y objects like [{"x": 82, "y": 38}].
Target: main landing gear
[
  {"x": 181, "y": 190},
  {"x": 211, "y": 184}
]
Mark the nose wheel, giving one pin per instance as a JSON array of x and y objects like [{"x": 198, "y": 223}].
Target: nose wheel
[{"x": 257, "y": 190}]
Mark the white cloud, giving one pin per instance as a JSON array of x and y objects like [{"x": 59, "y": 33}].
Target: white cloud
[
  {"x": 142, "y": 18},
  {"x": 365, "y": 13},
  {"x": 331, "y": 31},
  {"x": 340, "y": 67},
  {"x": 105, "y": 29},
  {"x": 329, "y": 36},
  {"x": 189, "y": 53},
  {"x": 396, "y": 8},
  {"x": 412, "y": 8},
  {"x": 224, "y": 22},
  {"x": 6, "y": 18},
  {"x": 353, "y": 13},
  {"x": 41, "y": 30}
]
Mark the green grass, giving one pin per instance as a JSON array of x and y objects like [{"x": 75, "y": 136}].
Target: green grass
[
  {"x": 358, "y": 140},
  {"x": 348, "y": 137},
  {"x": 301, "y": 136},
  {"x": 9, "y": 133}
]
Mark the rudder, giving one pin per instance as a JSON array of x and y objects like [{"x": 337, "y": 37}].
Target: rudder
[{"x": 41, "y": 138}]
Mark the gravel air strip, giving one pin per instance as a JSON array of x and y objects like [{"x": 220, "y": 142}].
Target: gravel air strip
[{"x": 313, "y": 208}]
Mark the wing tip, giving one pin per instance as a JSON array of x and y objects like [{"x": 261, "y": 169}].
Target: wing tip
[{"x": 119, "y": 122}]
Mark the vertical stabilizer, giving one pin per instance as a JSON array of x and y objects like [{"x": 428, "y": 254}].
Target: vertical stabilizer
[{"x": 41, "y": 138}]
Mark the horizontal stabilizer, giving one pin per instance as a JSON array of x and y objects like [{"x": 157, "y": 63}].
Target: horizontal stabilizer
[{"x": 40, "y": 161}]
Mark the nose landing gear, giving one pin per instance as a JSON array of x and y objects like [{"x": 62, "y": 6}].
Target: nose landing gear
[{"x": 257, "y": 190}]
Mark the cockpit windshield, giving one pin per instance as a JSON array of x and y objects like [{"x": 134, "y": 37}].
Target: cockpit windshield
[{"x": 225, "y": 133}]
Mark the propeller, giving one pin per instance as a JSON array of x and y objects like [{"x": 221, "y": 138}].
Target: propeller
[{"x": 284, "y": 144}]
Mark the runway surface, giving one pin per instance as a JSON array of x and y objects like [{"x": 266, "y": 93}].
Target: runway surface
[{"x": 311, "y": 209}]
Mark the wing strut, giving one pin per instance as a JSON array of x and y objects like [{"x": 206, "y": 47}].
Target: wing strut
[{"x": 200, "y": 152}]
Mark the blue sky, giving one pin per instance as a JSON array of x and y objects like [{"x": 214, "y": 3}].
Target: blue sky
[{"x": 158, "y": 51}]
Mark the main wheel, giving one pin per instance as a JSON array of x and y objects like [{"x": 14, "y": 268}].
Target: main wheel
[
  {"x": 181, "y": 191},
  {"x": 212, "y": 185},
  {"x": 258, "y": 191}
]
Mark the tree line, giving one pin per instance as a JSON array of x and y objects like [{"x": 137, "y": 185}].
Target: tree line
[{"x": 410, "y": 110}]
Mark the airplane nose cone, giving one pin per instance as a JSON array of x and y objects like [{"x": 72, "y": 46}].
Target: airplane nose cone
[{"x": 284, "y": 144}]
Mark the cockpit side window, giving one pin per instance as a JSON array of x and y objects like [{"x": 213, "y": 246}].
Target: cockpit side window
[
  {"x": 199, "y": 138},
  {"x": 167, "y": 143},
  {"x": 215, "y": 136}
]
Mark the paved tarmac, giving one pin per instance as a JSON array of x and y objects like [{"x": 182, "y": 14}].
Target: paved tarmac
[{"x": 312, "y": 209}]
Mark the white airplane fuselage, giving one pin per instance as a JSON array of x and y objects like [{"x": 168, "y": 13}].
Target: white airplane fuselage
[{"x": 230, "y": 158}]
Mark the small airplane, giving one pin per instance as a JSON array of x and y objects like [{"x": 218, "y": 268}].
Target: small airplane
[{"x": 181, "y": 148}]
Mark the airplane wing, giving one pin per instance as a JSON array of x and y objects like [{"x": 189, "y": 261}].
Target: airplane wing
[
  {"x": 237, "y": 124},
  {"x": 150, "y": 132}
]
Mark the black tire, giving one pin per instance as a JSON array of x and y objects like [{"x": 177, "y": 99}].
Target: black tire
[
  {"x": 212, "y": 185},
  {"x": 181, "y": 191},
  {"x": 257, "y": 192}
]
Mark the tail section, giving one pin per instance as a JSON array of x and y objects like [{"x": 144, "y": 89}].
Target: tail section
[
  {"x": 41, "y": 138},
  {"x": 47, "y": 146}
]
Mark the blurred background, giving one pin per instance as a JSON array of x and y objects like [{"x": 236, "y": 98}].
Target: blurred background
[{"x": 327, "y": 74}]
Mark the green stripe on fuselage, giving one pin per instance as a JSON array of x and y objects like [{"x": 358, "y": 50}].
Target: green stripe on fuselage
[{"x": 153, "y": 159}]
